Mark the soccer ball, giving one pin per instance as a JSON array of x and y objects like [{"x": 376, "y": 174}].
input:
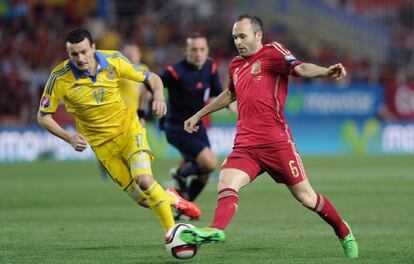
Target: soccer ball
[{"x": 175, "y": 246}]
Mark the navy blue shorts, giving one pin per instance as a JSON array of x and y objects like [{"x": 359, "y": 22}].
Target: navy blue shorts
[{"x": 189, "y": 145}]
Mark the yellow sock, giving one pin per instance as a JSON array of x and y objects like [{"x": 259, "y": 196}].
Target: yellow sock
[
  {"x": 172, "y": 198},
  {"x": 137, "y": 195},
  {"x": 143, "y": 199},
  {"x": 159, "y": 203}
]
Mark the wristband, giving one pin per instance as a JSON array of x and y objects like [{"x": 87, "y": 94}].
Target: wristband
[{"x": 141, "y": 113}]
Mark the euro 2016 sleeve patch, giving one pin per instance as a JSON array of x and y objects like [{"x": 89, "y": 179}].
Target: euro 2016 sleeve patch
[
  {"x": 290, "y": 58},
  {"x": 138, "y": 68},
  {"x": 45, "y": 101}
]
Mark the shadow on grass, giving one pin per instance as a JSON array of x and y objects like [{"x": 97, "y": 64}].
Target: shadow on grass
[{"x": 123, "y": 247}]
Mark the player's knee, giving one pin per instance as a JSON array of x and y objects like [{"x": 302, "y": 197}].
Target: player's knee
[
  {"x": 232, "y": 179},
  {"x": 226, "y": 183},
  {"x": 209, "y": 165},
  {"x": 222, "y": 184},
  {"x": 144, "y": 181}
]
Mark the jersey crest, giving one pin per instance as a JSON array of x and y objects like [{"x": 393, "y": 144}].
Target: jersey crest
[
  {"x": 256, "y": 68},
  {"x": 111, "y": 73}
]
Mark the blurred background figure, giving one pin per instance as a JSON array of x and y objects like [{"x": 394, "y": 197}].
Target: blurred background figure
[{"x": 191, "y": 83}]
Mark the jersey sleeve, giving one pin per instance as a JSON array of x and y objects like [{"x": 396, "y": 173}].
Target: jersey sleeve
[
  {"x": 132, "y": 71},
  {"x": 282, "y": 60},
  {"x": 52, "y": 95},
  {"x": 216, "y": 87}
]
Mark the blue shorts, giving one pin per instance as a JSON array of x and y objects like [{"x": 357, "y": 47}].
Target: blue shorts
[{"x": 189, "y": 145}]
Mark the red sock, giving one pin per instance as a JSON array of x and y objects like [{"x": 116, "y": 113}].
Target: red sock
[
  {"x": 226, "y": 208},
  {"x": 328, "y": 213}
]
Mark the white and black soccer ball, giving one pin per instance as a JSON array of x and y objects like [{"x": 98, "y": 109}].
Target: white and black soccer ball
[{"x": 175, "y": 246}]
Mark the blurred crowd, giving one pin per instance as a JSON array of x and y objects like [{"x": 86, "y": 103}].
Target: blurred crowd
[{"x": 32, "y": 42}]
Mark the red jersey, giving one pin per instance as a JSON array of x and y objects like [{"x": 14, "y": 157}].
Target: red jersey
[{"x": 260, "y": 83}]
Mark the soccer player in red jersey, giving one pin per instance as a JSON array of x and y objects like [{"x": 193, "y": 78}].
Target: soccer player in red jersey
[{"x": 263, "y": 142}]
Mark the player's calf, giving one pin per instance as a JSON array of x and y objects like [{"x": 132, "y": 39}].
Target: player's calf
[
  {"x": 180, "y": 181},
  {"x": 137, "y": 195}
]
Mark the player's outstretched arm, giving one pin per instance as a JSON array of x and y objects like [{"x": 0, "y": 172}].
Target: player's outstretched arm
[
  {"x": 159, "y": 108},
  {"x": 221, "y": 101},
  {"x": 77, "y": 141},
  {"x": 309, "y": 70}
]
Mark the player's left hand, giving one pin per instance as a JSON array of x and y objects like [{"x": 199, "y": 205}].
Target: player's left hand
[
  {"x": 232, "y": 107},
  {"x": 78, "y": 142},
  {"x": 159, "y": 108},
  {"x": 337, "y": 71}
]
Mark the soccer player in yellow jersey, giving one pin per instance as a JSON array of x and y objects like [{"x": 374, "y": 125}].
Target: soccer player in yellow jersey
[{"x": 88, "y": 83}]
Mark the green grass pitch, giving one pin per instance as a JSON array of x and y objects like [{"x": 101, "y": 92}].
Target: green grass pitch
[{"x": 52, "y": 212}]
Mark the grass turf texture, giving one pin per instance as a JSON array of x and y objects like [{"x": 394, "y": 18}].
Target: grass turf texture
[{"x": 53, "y": 212}]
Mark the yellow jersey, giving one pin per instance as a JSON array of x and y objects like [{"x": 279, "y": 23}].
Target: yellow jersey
[
  {"x": 130, "y": 90},
  {"x": 96, "y": 102}
]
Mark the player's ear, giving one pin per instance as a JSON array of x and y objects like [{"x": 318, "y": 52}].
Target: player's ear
[
  {"x": 67, "y": 49},
  {"x": 259, "y": 35},
  {"x": 93, "y": 47}
]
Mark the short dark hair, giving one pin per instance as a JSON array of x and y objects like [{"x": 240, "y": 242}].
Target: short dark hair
[
  {"x": 196, "y": 35},
  {"x": 78, "y": 35},
  {"x": 257, "y": 23}
]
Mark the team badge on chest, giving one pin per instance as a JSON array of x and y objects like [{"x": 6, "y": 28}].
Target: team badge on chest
[
  {"x": 256, "y": 68},
  {"x": 111, "y": 73}
]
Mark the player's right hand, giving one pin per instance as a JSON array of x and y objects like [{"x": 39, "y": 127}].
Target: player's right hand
[
  {"x": 190, "y": 125},
  {"x": 232, "y": 107},
  {"x": 78, "y": 142},
  {"x": 337, "y": 71},
  {"x": 159, "y": 108}
]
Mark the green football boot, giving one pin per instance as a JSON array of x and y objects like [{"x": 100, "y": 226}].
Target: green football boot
[
  {"x": 198, "y": 236},
  {"x": 349, "y": 244}
]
